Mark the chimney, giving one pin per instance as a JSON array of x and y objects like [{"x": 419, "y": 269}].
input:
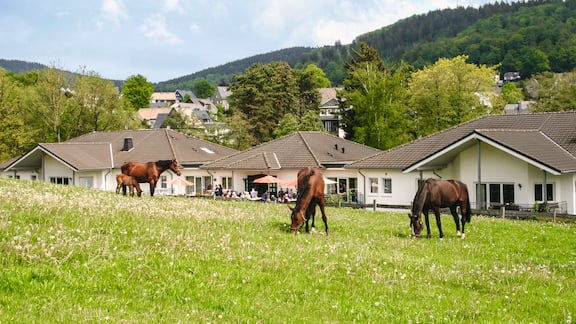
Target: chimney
[{"x": 128, "y": 145}]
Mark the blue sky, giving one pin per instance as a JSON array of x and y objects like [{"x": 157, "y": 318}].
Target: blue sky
[{"x": 166, "y": 39}]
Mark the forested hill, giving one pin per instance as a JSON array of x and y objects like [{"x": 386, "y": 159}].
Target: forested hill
[
  {"x": 393, "y": 41},
  {"x": 526, "y": 36},
  {"x": 225, "y": 72},
  {"x": 17, "y": 66}
]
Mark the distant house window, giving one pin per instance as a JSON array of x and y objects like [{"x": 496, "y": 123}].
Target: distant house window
[
  {"x": 387, "y": 182},
  {"x": 60, "y": 180},
  {"x": 539, "y": 192},
  {"x": 226, "y": 182},
  {"x": 373, "y": 185},
  {"x": 33, "y": 177},
  {"x": 162, "y": 181},
  {"x": 87, "y": 182},
  {"x": 331, "y": 126}
]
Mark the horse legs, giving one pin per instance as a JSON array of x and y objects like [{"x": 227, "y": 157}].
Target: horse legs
[
  {"x": 138, "y": 190},
  {"x": 324, "y": 218},
  {"x": 437, "y": 214},
  {"x": 152, "y": 186},
  {"x": 310, "y": 213},
  {"x": 427, "y": 220},
  {"x": 454, "y": 213},
  {"x": 463, "y": 211}
]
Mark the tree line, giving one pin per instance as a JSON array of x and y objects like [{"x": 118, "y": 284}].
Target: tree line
[{"x": 51, "y": 106}]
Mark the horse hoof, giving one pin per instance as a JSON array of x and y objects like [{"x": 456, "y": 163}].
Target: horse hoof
[
  {"x": 462, "y": 235},
  {"x": 459, "y": 234}
]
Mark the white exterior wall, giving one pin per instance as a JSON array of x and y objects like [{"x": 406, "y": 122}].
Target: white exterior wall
[
  {"x": 499, "y": 167},
  {"x": 22, "y": 175},
  {"x": 53, "y": 168},
  {"x": 404, "y": 186}
]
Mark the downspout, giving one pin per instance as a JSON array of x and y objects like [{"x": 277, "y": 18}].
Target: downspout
[
  {"x": 43, "y": 168},
  {"x": 364, "y": 181},
  {"x": 212, "y": 176},
  {"x": 106, "y": 179},
  {"x": 479, "y": 197},
  {"x": 545, "y": 188}
]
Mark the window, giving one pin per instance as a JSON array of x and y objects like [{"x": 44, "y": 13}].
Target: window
[
  {"x": 60, "y": 180},
  {"x": 373, "y": 185},
  {"x": 387, "y": 182},
  {"x": 501, "y": 193},
  {"x": 162, "y": 181},
  {"x": 87, "y": 182},
  {"x": 226, "y": 182},
  {"x": 539, "y": 192}
]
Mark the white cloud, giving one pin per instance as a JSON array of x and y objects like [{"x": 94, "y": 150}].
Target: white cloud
[
  {"x": 113, "y": 10},
  {"x": 171, "y": 5},
  {"x": 156, "y": 29}
]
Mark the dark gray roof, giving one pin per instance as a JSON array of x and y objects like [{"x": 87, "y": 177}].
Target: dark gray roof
[
  {"x": 546, "y": 138},
  {"x": 295, "y": 151},
  {"x": 103, "y": 150}
]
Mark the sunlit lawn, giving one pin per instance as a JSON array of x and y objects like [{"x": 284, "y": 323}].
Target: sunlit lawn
[{"x": 77, "y": 255}]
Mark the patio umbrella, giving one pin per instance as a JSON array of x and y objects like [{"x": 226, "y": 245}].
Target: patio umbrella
[
  {"x": 268, "y": 179},
  {"x": 294, "y": 182},
  {"x": 179, "y": 182},
  {"x": 291, "y": 183}
]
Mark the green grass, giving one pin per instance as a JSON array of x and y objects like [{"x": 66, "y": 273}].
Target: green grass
[{"x": 69, "y": 254}]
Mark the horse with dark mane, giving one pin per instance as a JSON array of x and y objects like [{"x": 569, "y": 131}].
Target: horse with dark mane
[
  {"x": 435, "y": 194},
  {"x": 149, "y": 171},
  {"x": 310, "y": 194},
  {"x": 123, "y": 181}
]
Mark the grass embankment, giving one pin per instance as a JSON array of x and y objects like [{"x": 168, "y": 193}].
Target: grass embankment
[{"x": 77, "y": 255}]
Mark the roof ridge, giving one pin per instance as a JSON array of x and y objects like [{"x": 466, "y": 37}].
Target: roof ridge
[
  {"x": 557, "y": 145},
  {"x": 168, "y": 138},
  {"x": 507, "y": 130},
  {"x": 309, "y": 149}
]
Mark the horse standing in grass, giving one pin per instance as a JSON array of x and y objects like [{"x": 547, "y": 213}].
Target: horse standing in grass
[
  {"x": 123, "y": 181},
  {"x": 436, "y": 194},
  {"x": 310, "y": 194},
  {"x": 149, "y": 171}
]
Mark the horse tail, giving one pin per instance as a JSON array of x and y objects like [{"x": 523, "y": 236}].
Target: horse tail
[
  {"x": 468, "y": 208},
  {"x": 468, "y": 212}
]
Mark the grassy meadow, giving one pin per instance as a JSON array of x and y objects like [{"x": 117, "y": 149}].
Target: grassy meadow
[{"x": 70, "y": 254}]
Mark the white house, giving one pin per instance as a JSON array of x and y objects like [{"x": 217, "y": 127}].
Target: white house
[
  {"x": 515, "y": 161},
  {"x": 285, "y": 156},
  {"x": 505, "y": 160},
  {"x": 93, "y": 160}
]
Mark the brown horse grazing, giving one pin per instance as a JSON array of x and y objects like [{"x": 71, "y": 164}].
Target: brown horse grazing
[
  {"x": 150, "y": 171},
  {"x": 310, "y": 195},
  {"x": 436, "y": 194},
  {"x": 124, "y": 181}
]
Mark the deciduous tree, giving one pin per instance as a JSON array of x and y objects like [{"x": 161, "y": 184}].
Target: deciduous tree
[
  {"x": 374, "y": 100},
  {"x": 138, "y": 91},
  {"x": 447, "y": 94}
]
